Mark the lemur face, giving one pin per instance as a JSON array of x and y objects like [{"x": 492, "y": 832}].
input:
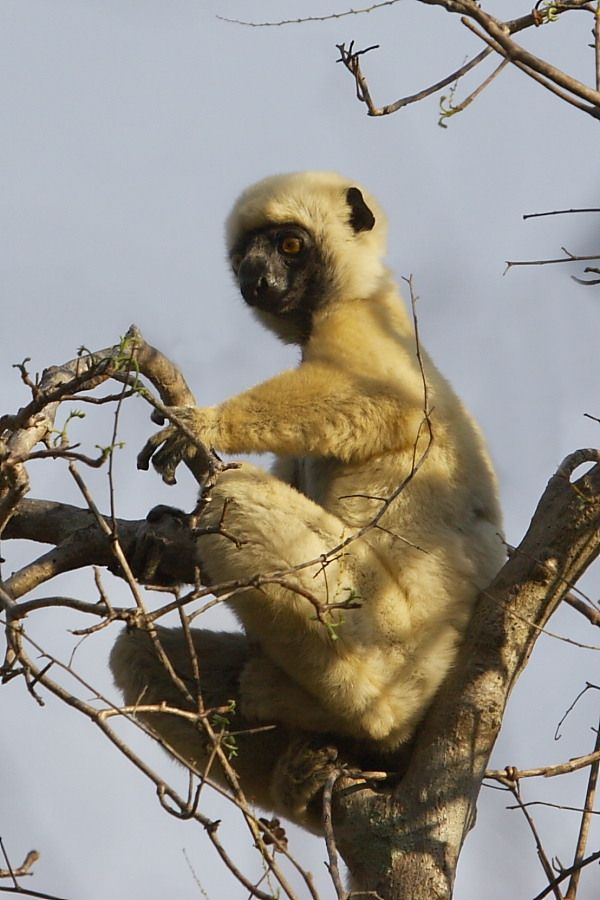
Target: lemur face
[
  {"x": 280, "y": 271},
  {"x": 286, "y": 271}
]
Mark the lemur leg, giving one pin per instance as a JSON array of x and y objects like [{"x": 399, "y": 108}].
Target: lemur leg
[
  {"x": 288, "y": 670},
  {"x": 144, "y": 680},
  {"x": 277, "y": 529},
  {"x": 279, "y": 769}
]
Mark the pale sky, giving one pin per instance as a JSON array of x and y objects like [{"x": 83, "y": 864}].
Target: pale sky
[{"x": 128, "y": 129}]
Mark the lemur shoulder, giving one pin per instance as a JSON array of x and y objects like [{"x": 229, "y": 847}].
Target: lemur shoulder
[{"x": 347, "y": 426}]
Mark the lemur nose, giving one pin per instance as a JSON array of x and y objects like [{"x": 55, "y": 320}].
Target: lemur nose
[{"x": 258, "y": 283}]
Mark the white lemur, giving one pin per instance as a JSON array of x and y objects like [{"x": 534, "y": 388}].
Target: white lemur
[{"x": 347, "y": 427}]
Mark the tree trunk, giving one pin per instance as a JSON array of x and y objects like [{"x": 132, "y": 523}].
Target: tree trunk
[{"x": 405, "y": 844}]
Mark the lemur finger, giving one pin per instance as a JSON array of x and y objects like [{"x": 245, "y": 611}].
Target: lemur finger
[
  {"x": 168, "y": 457},
  {"x": 151, "y": 445}
]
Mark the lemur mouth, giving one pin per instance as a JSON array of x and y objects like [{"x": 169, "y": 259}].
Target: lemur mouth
[
  {"x": 261, "y": 290},
  {"x": 268, "y": 299}
]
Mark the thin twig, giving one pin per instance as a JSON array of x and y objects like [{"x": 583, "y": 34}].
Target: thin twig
[
  {"x": 108, "y": 531},
  {"x": 326, "y": 18},
  {"x": 98, "y": 717},
  {"x": 468, "y": 100},
  {"x": 596, "y": 33},
  {"x": 585, "y": 819},
  {"x": 23, "y": 869},
  {"x": 591, "y": 614},
  {"x": 26, "y": 892},
  {"x": 588, "y": 687},
  {"x": 545, "y": 862},
  {"x": 560, "y": 212},
  {"x": 532, "y": 70},
  {"x": 549, "y": 805},
  {"x": 538, "y": 68},
  {"x": 349, "y": 58},
  {"x": 548, "y": 262},
  {"x": 565, "y": 874},
  {"x": 589, "y": 281},
  {"x": 113, "y": 445},
  {"x": 333, "y": 866},
  {"x": 539, "y": 628},
  {"x": 9, "y": 868},
  {"x": 510, "y": 774}
]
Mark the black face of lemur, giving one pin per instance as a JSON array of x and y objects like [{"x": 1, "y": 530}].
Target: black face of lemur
[{"x": 280, "y": 271}]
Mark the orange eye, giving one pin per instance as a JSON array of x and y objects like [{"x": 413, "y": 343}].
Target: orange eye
[
  {"x": 291, "y": 246},
  {"x": 236, "y": 261}
]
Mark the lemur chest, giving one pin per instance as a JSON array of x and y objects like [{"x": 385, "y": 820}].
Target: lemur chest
[
  {"x": 315, "y": 478},
  {"x": 342, "y": 489}
]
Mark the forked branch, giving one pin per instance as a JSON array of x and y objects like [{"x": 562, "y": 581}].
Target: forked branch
[
  {"x": 456, "y": 738},
  {"x": 498, "y": 37}
]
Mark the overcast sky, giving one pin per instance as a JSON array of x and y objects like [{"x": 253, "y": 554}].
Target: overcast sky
[{"x": 128, "y": 128}]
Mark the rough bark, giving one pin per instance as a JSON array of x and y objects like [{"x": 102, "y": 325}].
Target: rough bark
[
  {"x": 402, "y": 844},
  {"x": 79, "y": 541},
  {"x": 405, "y": 845}
]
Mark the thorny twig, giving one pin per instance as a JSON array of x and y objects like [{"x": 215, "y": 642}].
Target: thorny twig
[
  {"x": 35, "y": 676},
  {"x": 99, "y": 717},
  {"x": 341, "y": 15},
  {"x": 188, "y": 808},
  {"x": 98, "y": 370}
]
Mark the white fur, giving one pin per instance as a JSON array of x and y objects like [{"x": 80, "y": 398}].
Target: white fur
[{"x": 347, "y": 425}]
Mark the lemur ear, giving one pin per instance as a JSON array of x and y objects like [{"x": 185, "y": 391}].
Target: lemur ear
[{"x": 361, "y": 217}]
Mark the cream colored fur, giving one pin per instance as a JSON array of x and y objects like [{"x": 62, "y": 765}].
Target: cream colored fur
[{"x": 346, "y": 426}]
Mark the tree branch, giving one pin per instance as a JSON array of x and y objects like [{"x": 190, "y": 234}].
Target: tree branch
[
  {"x": 428, "y": 815},
  {"x": 498, "y": 37},
  {"x": 350, "y": 59}
]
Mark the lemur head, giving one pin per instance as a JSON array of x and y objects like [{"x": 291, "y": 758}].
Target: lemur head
[{"x": 301, "y": 242}]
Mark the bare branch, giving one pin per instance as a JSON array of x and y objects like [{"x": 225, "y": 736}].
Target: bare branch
[
  {"x": 99, "y": 717},
  {"x": 23, "y": 869},
  {"x": 555, "y": 77},
  {"x": 585, "y": 822},
  {"x": 333, "y": 866},
  {"x": 591, "y": 614},
  {"x": 455, "y": 739},
  {"x": 510, "y": 774},
  {"x": 543, "y": 77},
  {"x": 452, "y": 110},
  {"x": 596, "y": 33},
  {"x": 565, "y": 874},
  {"x": 560, "y": 212},
  {"x": 589, "y": 281},
  {"x": 545, "y": 862},
  {"x": 570, "y": 257},
  {"x": 26, "y": 892},
  {"x": 348, "y": 12},
  {"x": 350, "y": 59},
  {"x": 498, "y": 37}
]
